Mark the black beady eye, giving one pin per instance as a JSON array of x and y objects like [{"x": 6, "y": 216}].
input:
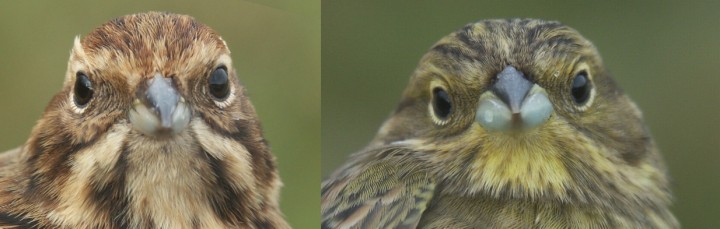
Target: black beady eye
[
  {"x": 442, "y": 104},
  {"x": 83, "y": 89},
  {"x": 581, "y": 87},
  {"x": 219, "y": 84}
]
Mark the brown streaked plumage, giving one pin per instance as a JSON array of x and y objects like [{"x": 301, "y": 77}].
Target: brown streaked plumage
[
  {"x": 151, "y": 130},
  {"x": 506, "y": 124}
]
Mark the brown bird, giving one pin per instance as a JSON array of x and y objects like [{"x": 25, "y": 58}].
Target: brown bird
[
  {"x": 506, "y": 124},
  {"x": 151, "y": 130}
]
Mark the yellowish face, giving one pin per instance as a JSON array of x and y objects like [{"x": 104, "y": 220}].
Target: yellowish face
[{"x": 522, "y": 108}]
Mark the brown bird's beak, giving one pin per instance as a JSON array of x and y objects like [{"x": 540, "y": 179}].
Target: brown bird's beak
[
  {"x": 159, "y": 109},
  {"x": 513, "y": 103}
]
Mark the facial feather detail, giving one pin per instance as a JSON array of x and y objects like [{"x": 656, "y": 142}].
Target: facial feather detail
[
  {"x": 506, "y": 124},
  {"x": 151, "y": 130}
]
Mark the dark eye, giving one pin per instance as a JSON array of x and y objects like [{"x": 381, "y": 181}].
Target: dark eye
[
  {"x": 441, "y": 103},
  {"x": 83, "y": 89},
  {"x": 219, "y": 84},
  {"x": 581, "y": 88}
]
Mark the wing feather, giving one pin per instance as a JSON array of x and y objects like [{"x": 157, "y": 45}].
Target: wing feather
[{"x": 384, "y": 192}]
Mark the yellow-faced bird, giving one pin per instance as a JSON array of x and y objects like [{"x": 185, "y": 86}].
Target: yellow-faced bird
[{"x": 506, "y": 124}]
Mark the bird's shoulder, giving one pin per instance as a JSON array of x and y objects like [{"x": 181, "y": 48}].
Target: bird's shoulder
[
  {"x": 9, "y": 217},
  {"x": 9, "y": 157},
  {"x": 379, "y": 188}
]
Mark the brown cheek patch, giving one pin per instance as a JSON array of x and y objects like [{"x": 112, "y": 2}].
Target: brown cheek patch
[
  {"x": 49, "y": 165},
  {"x": 58, "y": 139},
  {"x": 249, "y": 133}
]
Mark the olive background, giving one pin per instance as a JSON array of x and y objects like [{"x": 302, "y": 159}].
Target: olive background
[
  {"x": 275, "y": 47},
  {"x": 664, "y": 55}
]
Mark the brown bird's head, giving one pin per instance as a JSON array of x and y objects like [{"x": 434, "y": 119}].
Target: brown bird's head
[
  {"x": 152, "y": 127},
  {"x": 168, "y": 68}
]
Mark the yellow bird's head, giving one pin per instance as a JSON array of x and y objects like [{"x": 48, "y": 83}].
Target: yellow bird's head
[{"x": 524, "y": 108}]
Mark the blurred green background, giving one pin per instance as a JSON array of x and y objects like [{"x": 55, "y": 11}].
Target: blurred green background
[
  {"x": 665, "y": 55},
  {"x": 275, "y": 46}
]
